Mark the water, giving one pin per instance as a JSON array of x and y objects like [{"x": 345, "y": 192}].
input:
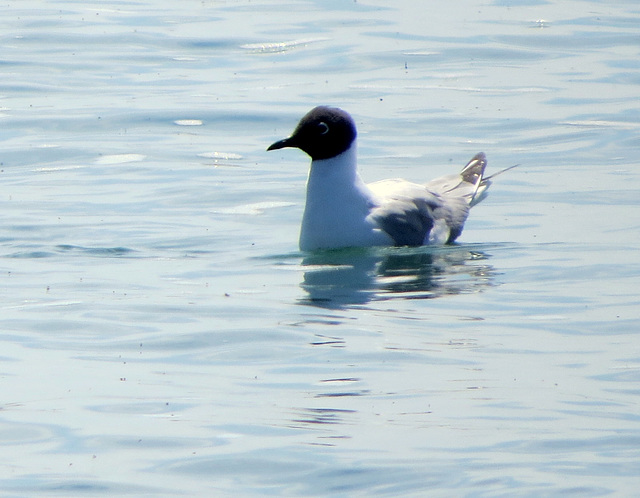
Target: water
[{"x": 162, "y": 335}]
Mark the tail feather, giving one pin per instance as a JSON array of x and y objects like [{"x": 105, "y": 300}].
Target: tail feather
[
  {"x": 473, "y": 173},
  {"x": 500, "y": 172},
  {"x": 470, "y": 184}
]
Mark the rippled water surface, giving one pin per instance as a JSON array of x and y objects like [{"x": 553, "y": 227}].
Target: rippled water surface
[{"x": 160, "y": 332}]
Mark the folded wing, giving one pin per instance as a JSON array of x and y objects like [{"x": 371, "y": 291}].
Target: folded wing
[{"x": 414, "y": 214}]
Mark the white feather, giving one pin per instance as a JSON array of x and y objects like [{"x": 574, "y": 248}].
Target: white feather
[{"x": 342, "y": 211}]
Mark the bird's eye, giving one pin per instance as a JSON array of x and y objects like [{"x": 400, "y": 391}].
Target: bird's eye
[{"x": 323, "y": 127}]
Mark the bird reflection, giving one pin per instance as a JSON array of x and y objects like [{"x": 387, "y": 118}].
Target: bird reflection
[{"x": 351, "y": 277}]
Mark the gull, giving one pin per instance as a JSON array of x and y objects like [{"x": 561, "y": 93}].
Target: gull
[{"x": 342, "y": 211}]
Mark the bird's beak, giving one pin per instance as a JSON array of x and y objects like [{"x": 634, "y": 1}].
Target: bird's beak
[{"x": 281, "y": 144}]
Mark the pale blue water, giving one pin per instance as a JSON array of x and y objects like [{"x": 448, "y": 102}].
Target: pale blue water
[{"x": 160, "y": 332}]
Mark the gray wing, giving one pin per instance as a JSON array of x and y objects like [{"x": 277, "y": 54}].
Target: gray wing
[
  {"x": 406, "y": 211},
  {"x": 407, "y": 221}
]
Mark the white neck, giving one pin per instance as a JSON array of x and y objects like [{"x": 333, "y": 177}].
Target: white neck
[
  {"x": 338, "y": 203},
  {"x": 341, "y": 170}
]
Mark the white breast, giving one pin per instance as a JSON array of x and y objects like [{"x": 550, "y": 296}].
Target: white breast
[{"x": 338, "y": 203}]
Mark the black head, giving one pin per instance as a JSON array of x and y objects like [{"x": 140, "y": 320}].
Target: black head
[{"x": 324, "y": 132}]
